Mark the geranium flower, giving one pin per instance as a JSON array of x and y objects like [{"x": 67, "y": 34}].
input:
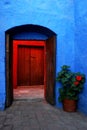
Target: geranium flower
[
  {"x": 76, "y": 83},
  {"x": 79, "y": 78}
]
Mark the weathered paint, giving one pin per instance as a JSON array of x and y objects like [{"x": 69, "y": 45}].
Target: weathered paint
[{"x": 66, "y": 18}]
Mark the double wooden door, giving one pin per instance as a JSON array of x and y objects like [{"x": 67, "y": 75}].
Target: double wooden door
[{"x": 28, "y": 63}]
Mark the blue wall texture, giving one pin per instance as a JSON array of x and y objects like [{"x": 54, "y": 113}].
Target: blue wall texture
[
  {"x": 81, "y": 47},
  {"x": 64, "y": 17}
]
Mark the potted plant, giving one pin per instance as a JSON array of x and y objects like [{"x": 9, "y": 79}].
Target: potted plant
[{"x": 72, "y": 85}]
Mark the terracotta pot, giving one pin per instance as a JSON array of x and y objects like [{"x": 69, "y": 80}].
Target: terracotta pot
[{"x": 69, "y": 105}]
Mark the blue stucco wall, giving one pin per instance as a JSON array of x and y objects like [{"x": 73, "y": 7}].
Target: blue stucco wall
[
  {"x": 57, "y": 15},
  {"x": 81, "y": 47}
]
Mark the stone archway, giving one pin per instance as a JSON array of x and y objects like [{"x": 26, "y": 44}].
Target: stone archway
[{"x": 50, "y": 60}]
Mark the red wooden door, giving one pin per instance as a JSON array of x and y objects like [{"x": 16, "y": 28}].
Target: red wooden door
[
  {"x": 37, "y": 66},
  {"x": 28, "y": 63},
  {"x": 23, "y": 66}
]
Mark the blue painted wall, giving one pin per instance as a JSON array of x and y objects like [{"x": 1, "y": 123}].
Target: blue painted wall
[
  {"x": 81, "y": 47},
  {"x": 62, "y": 17}
]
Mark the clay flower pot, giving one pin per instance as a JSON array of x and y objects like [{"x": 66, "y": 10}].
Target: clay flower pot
[{"x": 69, "y": 105}]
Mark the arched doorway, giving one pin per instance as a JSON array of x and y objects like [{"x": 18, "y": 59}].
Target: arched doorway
[{"x": 50, "y": 52}]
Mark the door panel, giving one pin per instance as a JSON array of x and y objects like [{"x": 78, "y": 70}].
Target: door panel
[
  {"x": 9, "y": 71},
  {"x": 27, "y": 69},
  {"x": 50, "y": 67},
  {"x": 23, "y": 68},
  {"x": 37, "y": 66}
]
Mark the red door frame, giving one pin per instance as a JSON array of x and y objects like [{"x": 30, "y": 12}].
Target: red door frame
[{"x": 32, "y": 43}]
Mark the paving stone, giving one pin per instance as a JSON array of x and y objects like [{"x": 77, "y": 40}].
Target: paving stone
[
  {"x": 8, "y": 127},
  {"x": 2, "y": 119},
  {"x": 38, "y": 115}
]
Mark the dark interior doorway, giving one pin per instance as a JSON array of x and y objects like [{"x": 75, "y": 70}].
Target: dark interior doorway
[{"x": 50, "y": 61}]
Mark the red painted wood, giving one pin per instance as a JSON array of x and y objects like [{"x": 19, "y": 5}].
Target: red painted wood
[
  {"x": 14, "y": 65},
  {"x": 27, "y": 70},
  {"x": 23, "y": 66},
  {"x": 30, "y": 70},
  {"x": 45, "y": 73},
  {"x": 37, "y": 66}
]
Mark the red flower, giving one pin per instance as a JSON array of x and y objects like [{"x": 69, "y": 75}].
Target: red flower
[
  {"x": 78, "y": 77},
  {"x": 76, "y": 83}
]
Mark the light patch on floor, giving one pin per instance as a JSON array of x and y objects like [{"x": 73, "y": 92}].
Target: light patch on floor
[{"x": 30, "y": 92}]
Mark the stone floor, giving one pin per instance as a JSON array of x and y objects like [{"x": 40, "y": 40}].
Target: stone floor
[
  {"x": 39, "y": 115},
  {"x": 30, "y": 111}
]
